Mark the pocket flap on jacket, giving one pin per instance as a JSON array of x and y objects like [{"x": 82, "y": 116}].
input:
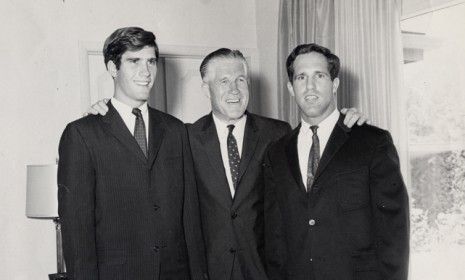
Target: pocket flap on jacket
[{"x": 366, "y": 261}]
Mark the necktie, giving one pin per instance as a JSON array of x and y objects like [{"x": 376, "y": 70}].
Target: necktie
[
  {"x": 139, "y": 131},
  {"x": 313, "y": 158},
  {"x": 233, "y": 155}
]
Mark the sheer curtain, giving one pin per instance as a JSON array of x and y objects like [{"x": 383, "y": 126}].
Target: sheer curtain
[
  {"x": 368, "y": 42},
  {"x": 365, "y": 34},
  {"x": 300, "y": 21}
]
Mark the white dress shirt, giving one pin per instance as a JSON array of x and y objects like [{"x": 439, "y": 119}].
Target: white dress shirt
[
  {"x": 223, "y": 131},
  {"x": 304, "y": 141},
  {"x": 129, "y": 118}
]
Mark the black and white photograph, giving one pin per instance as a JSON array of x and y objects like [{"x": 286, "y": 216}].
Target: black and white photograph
[{"x": 232, "y": 139}]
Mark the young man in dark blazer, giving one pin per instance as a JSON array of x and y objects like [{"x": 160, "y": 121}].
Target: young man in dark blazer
[
  {"x": 336, "y": 206},
  {"x": 127, "y": 195}
]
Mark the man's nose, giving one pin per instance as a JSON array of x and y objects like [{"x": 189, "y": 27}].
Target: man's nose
[
  {"x": 144, "y": 69},
  {"x": 310, "y": 83},
  {"x": 233, "y": 87}
]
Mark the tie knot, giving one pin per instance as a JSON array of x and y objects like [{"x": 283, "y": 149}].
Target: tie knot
[
  {"x": 314, "y": 128},
  {"x": 137, "y": 112},
  {"x": 231, "y": 128}
]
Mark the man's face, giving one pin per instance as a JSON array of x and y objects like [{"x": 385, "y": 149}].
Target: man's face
[
  {"x": 312, "y": 87},
  {"x": 135, "y": 76},
  {"x": 227, "y": 87}
]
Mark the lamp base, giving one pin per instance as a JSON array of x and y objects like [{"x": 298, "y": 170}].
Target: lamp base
[{"x": 57, "y": 276}]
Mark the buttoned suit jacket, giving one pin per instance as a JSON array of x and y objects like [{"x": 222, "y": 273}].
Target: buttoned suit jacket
[
  {"x": 353, "y": 224},
  {"x": 125, "y": 216},
  {"x": 233, "y": 228}
]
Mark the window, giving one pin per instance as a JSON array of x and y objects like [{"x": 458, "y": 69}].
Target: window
[{"x": 434, "y": 83}]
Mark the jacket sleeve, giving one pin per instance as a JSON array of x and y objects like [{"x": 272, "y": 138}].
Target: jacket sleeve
[
  {"x": 191, "y": 217},
  {"x": 391, "y": 211},
  {"x": 76, "y": 200},
  {"x": 275, "y": 249}
]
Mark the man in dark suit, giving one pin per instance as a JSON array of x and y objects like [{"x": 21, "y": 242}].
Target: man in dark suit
[
  {"x": 227, "y": 146},
  {"x": 127, "y": 195},
  {"x": 336, "y": 206}
]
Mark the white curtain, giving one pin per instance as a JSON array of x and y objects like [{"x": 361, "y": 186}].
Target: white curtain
[
  {"x": 300, "y": 21},
  {"x": 368, "y": 42}
]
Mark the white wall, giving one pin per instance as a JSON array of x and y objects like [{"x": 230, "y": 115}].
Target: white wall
[{"x": 40, "y": 90}]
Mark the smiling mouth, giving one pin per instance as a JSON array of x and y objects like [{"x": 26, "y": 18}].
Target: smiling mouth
[
  {"x": 142, "y": 83},
  {"x": 232, "y": 100},
  {"x": 311, "y": 98}
]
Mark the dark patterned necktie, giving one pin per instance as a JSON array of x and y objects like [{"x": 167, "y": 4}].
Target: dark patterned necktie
[
  {"x": 139, "y": 131},
  {"x": 233, "y": 155},
  {"x": 313, "y": 158}
]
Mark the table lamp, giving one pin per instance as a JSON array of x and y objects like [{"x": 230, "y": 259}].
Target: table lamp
[{"x": 42, "y": 203}]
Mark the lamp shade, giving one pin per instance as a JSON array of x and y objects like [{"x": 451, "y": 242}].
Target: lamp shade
[{"x": 41, "y": 192}]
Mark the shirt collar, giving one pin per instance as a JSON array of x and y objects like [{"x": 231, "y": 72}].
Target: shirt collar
[
  {"x": 222, "y": 126},
  {"x": 123, "y": 108},
  {"x": 326, "y": 126}
]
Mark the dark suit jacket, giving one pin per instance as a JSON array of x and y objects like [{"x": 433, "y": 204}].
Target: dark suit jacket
[
  {"x": 354, "y": 224},
  {"x": 125, "y": 216},
  {"x": 233, "y": 228}
]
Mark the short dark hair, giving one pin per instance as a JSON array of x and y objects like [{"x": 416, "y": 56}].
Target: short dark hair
[
  {"x": 127, "y": 39},
  {"x": 333, "y": 60},
  {"x": 219, "y": 53}
]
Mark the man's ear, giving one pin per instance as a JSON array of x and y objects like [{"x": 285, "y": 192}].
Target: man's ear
[
  {"x": 335, "y": 84},
  {"x": 290, "y": 89},
  {"x": 206, "y": 89},
  {"x": 111, "y": 66}
]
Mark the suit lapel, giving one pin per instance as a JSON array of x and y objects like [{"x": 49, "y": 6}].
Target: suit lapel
[
  {"x": 293, "y": 159},
  {"x": 211, "y": 146},
  {"x": 156, "y": 133},
  {"x": 250, "y": 143},
  {"x": 338, "y": 137},
  {"x": 115, "y": 125},
  {"x": 251, "y": 138}
]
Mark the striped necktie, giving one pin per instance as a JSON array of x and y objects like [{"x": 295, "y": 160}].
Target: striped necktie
[{"x": 139, "y": 131}]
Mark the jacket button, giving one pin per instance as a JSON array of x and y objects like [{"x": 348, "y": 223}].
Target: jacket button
[
  {"x": 156, "y": 207},
  {"x": 312, "y": 222},
  {"x": 232, "y": 250},
  {"x": 233, "y": 215}
]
